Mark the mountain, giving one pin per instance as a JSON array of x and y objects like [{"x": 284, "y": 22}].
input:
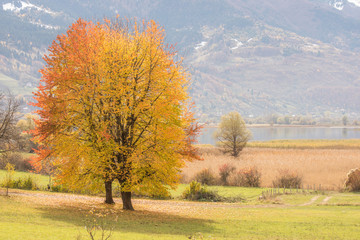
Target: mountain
[{"x": 256, "y": 57}]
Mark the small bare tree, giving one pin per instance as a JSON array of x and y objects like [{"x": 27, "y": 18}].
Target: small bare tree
[
  {"x": 8, "y": 131},
  {"x": 8, "y": 177},
  {"x": 232, "y": 134}
]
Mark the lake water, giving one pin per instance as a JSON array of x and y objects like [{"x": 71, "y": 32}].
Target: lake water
[{"x": 273, "y": 133}]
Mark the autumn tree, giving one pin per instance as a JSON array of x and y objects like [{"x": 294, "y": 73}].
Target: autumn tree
[
  {"x": 114, "y": 106},
  {"x": 232, "y": 134}
]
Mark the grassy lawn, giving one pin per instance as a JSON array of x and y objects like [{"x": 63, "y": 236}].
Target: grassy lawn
[
  {"x": 58, "y": 216},
  {"x": 43, "y": 215},
  {"x": 345, "y": 199},
  {"x": 329, "y": 215},
  {"x": 250, "y": 194},
  {"x": 41, "y": 180}
]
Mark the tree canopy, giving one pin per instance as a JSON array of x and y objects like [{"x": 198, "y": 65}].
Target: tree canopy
[
  {"x": 113, "y": 105},
  {"x": 232, "y": 134}
]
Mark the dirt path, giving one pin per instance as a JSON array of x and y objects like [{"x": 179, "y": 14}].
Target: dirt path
[
  {"x": 326, "y": 200},
  {"x": 311, "y": 201},
  {"x": 58, "y": 199},
  {"x": 66, "y": 199}
]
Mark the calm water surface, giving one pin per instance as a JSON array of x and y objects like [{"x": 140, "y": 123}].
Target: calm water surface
[{"x": 273, "y": 133}]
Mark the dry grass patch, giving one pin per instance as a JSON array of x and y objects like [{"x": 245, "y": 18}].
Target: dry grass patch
[
  {"x": 327, "y": 167},
  {"x": 307, "y": 144}
]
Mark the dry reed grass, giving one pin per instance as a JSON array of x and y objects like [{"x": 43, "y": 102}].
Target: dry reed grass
[
  {"x": 307, "y": 144},
  {"x": 327, "y": 167}
]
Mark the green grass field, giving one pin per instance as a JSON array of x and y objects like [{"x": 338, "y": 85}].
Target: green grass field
[
  {"x": 58, "y": 216},
  {"x": 48, "y": 215},
  {"x": 41, "y": 180},
  {"x": 249, "y": 194},
  {"x": 44, "y": 215}
]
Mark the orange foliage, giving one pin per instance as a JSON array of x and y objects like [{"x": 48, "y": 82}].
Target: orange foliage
[{"x": 114, "y": 106}]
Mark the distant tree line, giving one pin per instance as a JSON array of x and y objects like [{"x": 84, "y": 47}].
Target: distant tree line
[{"x": 275, "y": 119}]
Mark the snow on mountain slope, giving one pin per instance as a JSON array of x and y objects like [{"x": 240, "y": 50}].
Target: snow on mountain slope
[
  {"x": 32, "y": 13},
  {"x": 256, "y": 57},
  {"x": 19, "y": 6},
  {"x": 355, "y": 2},
  {"x": 340, "y": 4},
  {"x": 337, "y": 4}
]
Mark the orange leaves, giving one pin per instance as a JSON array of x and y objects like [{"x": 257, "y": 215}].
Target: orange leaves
[
  {"x": 114, "y": 105},
  {"x": 38, "y": 161}
]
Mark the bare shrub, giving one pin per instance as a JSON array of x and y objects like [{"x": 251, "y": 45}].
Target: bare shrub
[
  {"x": 15, "y": 159},
  {"x": 287, "y": 179},
  {"x": 352, "y": 182},
  {"x": 247, "y": 177},
  {"x": 205, "y": 176},
  {"x": 97, "y": 227},
  {"x": 8, "y": 117},
  {"x": 225, "y": 171}
]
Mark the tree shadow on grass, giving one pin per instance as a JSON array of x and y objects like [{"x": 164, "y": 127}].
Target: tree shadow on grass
[{"x": 140, "y": 221}]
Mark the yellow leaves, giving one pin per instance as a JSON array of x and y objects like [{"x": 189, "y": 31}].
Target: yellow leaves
[{"x": 114, "y": 105}]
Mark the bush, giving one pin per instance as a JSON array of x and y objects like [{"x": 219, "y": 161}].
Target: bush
[
  {"x": 287, "y": 179},
  {"x": 151, "y": 191},
  {"x": 352, "y": 182},
  {"x": 249, "y": 177},
  {"x": 196, "y": 191},
  {"x": 59, "y": 188},
  {"x": 17, "y": 160},
  {"x": 205, "y": 176},
  {"x": 17, "y": 183},
  {"x": 27, "y": 183},
  {"x": 26, "y": 165},
  {"x": 225, "y": 171}
]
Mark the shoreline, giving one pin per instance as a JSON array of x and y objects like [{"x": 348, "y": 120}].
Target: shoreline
[{"x": 288, "y": 126}]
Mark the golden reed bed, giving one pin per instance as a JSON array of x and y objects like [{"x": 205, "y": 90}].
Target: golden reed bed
[{"x": 327, "y": 167}]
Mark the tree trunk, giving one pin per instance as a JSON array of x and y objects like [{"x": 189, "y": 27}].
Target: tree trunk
[
  {"x": 108, "y": 190},
  {"x": 126, "y": 198}
]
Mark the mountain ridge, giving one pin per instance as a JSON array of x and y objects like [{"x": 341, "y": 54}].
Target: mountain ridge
[{"x": 259, "y": 58}]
